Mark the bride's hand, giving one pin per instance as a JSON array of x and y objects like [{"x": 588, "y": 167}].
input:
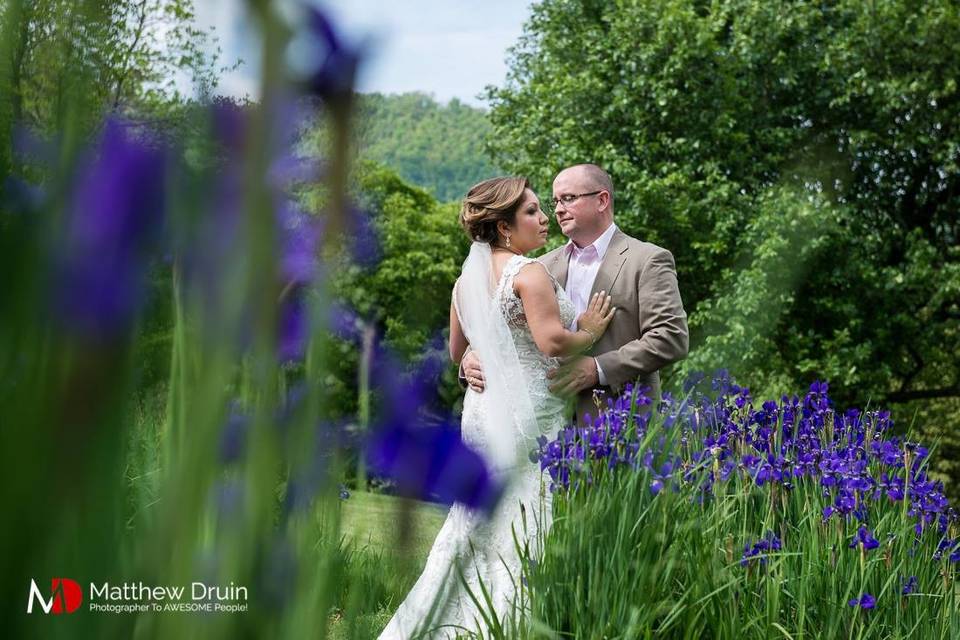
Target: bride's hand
[{"x": 597, "y": 316}]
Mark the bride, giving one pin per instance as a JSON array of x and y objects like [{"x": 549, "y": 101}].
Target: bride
[{"x": 513, "y": 314}]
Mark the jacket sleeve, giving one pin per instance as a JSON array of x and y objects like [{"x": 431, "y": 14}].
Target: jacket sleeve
[{"x": 663, "y": 325}]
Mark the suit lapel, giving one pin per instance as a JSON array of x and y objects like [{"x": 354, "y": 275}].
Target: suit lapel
[
  {"x": 611, "y": 265},
  {"x": 558, "y": 266}
]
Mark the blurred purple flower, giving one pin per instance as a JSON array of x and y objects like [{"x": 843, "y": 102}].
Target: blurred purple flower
[
  {"x": 309, "y": 478},
  {"x": 228, "y": 497},
  {"x": 289, "y": 170},
  {"x": 229, "y": 122},
  {"x": 865, "y": 601},
  {"x": 113, "y": 221},
  {"x": 433, "y": 461},
  {"x": 300, "y": 235},
  {"x": 364, "y": 240},
  {"x": 29, "y": 147},
  {"x": 294, "y": 328},
  {"x": 344, "y": 323},
  {"x": 331, "y": 66},
  {"x": 909, "y": 586},
  {"x": 233, "y": 436},
  {"x": 418, "y": 449}
]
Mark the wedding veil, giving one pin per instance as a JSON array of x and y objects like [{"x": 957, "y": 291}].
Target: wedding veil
[{"x": 509, "y": 414}]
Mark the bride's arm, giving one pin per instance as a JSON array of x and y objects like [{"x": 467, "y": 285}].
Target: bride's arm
[
  {"x": 458, "y": 341},
  {"x": 535, "y": 289}
]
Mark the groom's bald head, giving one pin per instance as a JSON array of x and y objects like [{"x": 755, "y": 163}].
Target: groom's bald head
[
  {"x": 583, "y": 202},
  {"x": 597, "y": 178}
]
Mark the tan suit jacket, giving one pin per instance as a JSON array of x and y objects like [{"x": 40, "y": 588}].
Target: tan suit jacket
[{"x": 649, "y": 330}]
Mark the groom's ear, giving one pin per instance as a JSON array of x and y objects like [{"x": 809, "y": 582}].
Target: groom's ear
[{"x": 604, "y": 198}]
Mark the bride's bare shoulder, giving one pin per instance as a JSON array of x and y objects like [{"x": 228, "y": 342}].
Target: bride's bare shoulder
[{"x": 532, "y": 276}]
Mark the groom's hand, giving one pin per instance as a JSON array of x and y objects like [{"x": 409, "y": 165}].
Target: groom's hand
[
  {"x": 472, "y": 371},
  {"x": 574, "y": 376}
]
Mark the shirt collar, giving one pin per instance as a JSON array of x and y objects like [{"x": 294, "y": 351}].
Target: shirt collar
[{"x": 601, "y": 244}]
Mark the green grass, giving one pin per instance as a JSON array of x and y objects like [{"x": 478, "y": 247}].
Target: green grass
[
  {"x": 386, "y": 542},
  {"x": 375, "y": 520},
  {"x": 384, "y": 539}
]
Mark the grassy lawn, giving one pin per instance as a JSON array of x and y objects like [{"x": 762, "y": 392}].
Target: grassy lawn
[
  {"x": 390, "y": 524},
  {"x": 391, "y": 538}
]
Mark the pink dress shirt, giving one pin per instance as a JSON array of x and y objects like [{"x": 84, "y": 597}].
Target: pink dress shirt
[{"x": 582, "y": 268}]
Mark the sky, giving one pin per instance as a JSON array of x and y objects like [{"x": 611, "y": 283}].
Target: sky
[{"x": 448, "y": 48}]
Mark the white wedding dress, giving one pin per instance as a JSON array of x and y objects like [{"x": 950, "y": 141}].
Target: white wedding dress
[{"x": 469, "y": 544}]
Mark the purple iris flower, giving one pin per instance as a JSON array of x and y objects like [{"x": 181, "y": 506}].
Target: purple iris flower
[
  {"x": 294, "y": 328},
  {"x": 887, "y": 452},
  {"x": 233, "y": 437},
  {"x": 422, "y": 452},
  {"x": 433, "y": 461},
  {"x": 363, "y": 239},
  {"x": 694, "y": 379},
  {"x": 864, "y": 601},
  {"x": 819, "y": 388},
  {"x": 112, "y": 225},
  {"x": 909, "y": 586},
  {"x": 774, "y": 444},
  {"x": 951, "y": 545},
  {"x": 761, "y": 549},
  {"x": 344, "y": 323},
  {"x": 299, "y": 235},
  {"x": 332, "y": 69},
  {"x": 228, "y": 497},
  {"x": 865, "y": 539}
]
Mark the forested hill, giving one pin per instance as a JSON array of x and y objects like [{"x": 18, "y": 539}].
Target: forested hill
[{"x": 433, "y": 145}]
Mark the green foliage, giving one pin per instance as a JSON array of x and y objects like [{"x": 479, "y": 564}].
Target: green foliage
[
  {"x": 423, "y": 247},
  {"x": 66, "y": 63},
  {"x": 438, "y": 147},
  {"x": 758, "y": 296},
  {"x": 406, "y": 294},
  {"x": 800, "y": 160}
]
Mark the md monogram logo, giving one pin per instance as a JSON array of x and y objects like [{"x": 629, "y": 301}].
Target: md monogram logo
[{"x": 65, "y": 597}]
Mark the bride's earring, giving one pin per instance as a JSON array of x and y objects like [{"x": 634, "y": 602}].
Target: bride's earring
[{"x": 508, "y": 241}]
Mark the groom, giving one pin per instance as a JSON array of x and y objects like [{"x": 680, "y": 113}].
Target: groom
[{"x": 649, "y": 330}]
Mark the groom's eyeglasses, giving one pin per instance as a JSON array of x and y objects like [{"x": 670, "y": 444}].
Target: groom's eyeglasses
[{"x": 568, "y": 199}]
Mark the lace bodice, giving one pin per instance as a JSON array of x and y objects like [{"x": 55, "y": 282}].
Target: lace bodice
[{"x": 532, "y": 359}]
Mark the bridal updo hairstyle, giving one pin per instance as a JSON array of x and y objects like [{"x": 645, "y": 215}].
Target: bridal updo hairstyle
[{"x": 489, "y": 202}]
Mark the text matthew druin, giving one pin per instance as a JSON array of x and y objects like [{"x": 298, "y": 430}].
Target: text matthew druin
[{"x": 132, "y": 597}]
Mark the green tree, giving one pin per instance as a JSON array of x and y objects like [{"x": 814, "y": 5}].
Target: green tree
[
  {"x": 65, "y": 63},
  {"x": 406, "y": 295},
  {"x": 799, "y": 158}
]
